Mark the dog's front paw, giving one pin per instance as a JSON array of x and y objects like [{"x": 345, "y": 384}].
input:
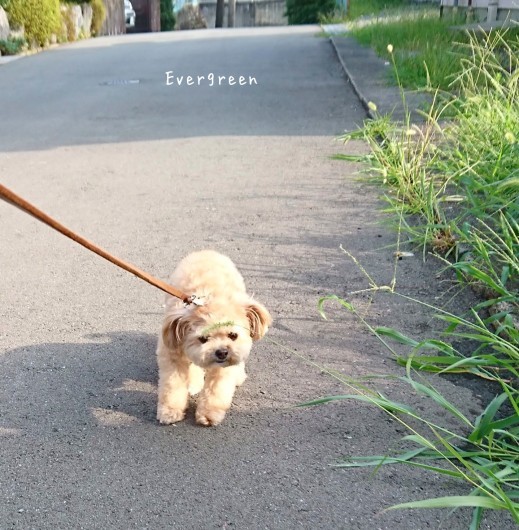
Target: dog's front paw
[
  {"x": 168, "y": 415},
  {"x": 209, "y": 417}
]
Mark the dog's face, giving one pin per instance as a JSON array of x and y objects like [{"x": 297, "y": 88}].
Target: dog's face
[
  {"x": 216, "y": 335},
  {"x": 216, "y": 342}
]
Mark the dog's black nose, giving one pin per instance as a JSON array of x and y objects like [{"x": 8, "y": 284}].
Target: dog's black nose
[{"x": 221, "y": 354}]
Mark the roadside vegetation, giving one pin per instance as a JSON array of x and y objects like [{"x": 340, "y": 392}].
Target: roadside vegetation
[
  {"x": 12, "y": 45},
  {"x": 327, "y": 11},
  {"x": 361, "y": 8},
  {"x": 428, "y": 52},
  {"x": 38, "y": 23},
  {"x": 451, "y": 184}
]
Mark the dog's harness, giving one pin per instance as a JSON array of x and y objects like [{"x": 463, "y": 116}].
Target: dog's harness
[{"x": 11, "y": 197}]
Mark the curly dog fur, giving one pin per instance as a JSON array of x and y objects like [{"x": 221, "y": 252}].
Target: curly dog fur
[{"x": 204, "y": 348}]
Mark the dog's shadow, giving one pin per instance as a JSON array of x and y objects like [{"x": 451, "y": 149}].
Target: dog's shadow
[
  {"x": 109, "y": 380},
  {"x": 104, "y": 379}
]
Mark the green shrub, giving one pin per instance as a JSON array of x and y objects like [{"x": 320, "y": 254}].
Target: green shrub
[
  {"x": 12, "y": 46},
  {"x": 308, "y": 11},
  {"x": 40, "y": 18},
  {"x": 167, "y": 17},
  {"x": 98, "y": 15}
]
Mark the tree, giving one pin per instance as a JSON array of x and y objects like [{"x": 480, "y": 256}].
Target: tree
[
  {"x": 167, "y": 17},
  {"x": 220, "y": 8},
  {"x": 231, "y": 13}
]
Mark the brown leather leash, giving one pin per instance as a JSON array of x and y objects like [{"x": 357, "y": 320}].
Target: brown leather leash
[{"x": 12, "y": 198}]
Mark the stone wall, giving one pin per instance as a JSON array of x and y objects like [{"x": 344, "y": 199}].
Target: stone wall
[
  {"x": 4, "y": 25},
  {"x": 248, "y": 13},
  {"x": 81, "y": 18}
]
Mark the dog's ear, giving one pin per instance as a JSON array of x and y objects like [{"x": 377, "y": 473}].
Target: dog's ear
[
  {"x": 259, "y": 319},
  {"x": 174, "y": 328}
]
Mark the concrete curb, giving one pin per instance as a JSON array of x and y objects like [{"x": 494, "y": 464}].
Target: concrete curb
[
  {"x": 367, "y": 74},
  {"x": 351, "y": 79},
  {"x": 4, "y": 59}
]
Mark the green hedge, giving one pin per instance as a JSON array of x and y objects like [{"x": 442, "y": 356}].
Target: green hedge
[{"x": 40, "y": 18}]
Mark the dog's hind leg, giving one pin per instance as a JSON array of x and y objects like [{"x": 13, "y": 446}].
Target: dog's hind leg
[
  {"x": 216, "y": 397},
  {"x": 173, "y": 388}
]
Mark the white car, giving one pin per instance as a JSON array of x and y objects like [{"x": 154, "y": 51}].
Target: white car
[{"x": 129, "y": 14}]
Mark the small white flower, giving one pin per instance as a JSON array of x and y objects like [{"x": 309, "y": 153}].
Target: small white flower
[
  {"x": 372, "y": 106},
  {"x": 390, "y": 48},
  {"x": 509, "y": 137}
]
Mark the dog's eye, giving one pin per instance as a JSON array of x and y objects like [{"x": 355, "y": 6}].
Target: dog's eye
[
  {"x": 203, "y": 340},
  {"x": 233, "y": 336}
]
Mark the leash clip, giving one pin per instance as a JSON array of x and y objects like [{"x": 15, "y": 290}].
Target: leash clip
[{"x": 195, "y": 300}]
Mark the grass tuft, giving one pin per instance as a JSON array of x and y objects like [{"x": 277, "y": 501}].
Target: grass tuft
[{"x": 423, "y": 46}]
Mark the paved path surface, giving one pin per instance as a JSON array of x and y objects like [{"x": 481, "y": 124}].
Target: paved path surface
[{"x": 152, "y": 172}]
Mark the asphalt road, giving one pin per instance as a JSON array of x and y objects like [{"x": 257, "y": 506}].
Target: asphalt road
[{"x": 94, "y": 135}]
